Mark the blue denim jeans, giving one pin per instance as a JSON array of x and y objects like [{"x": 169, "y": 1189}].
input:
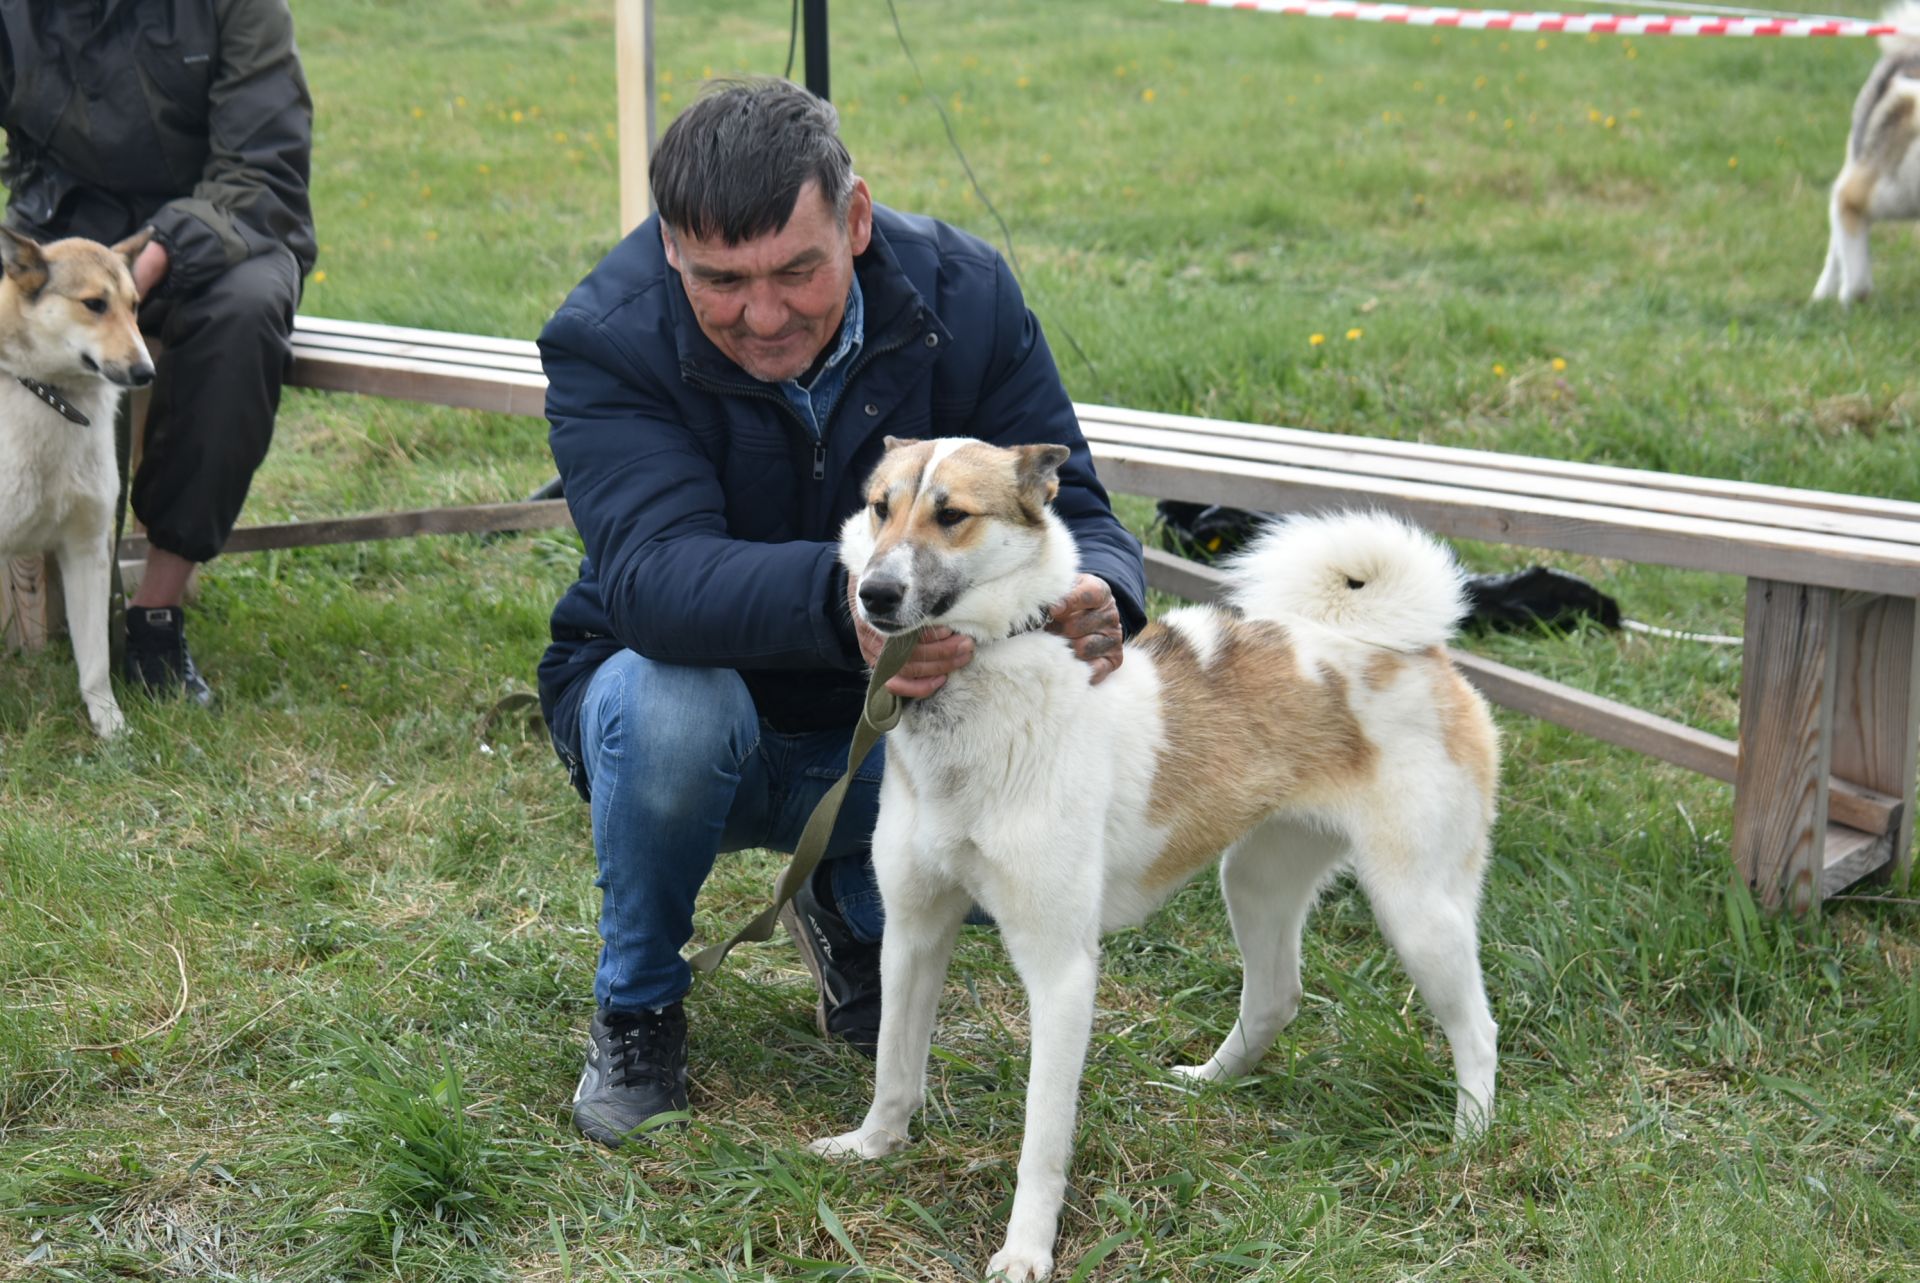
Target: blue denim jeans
[{"x": 682, "y": 768}]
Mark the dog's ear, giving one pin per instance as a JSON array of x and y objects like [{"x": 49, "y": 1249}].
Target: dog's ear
[
  {"x": 130, "y": 248},
  {"x": 26, "y": 266},
  {"x": 900, "y": 443},
  {"x": 1038, "y": 469}
]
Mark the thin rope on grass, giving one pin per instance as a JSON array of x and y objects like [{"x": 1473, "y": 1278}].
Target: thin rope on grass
[{"x": 1569, "y": 24}]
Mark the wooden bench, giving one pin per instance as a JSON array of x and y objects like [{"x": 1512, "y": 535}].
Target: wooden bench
[{"x": 1824, "y": 767}]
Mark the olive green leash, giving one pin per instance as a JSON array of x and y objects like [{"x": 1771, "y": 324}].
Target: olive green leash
[{"x": 880, "y": 714}]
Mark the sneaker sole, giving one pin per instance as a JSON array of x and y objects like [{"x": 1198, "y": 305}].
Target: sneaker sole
[{"x": 796, "y": 929}]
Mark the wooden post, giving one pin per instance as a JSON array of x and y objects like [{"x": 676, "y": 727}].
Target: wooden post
[
  {"x": 1786, "y": 742},
  {"x": 29, "y": 601},
  {"x": 633, "y": 77},
  {"x": 1876, "y": 716}
]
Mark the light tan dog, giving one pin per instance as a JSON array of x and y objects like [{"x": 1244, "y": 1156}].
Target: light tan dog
[
  {"x": 1315, "y": 727},
  {"x": 69, "y": 348},
  {"x": 1881, "y": 179}
]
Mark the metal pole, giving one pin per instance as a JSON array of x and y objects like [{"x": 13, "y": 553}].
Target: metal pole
[{"x": 816, "y": 19}]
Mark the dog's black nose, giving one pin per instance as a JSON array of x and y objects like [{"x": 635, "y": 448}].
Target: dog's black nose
[
  {"x": 881, "y": 597},
  {"x": 140, "y": 375}
]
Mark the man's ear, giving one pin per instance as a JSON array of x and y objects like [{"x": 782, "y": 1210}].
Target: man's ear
[
  {"x": 26, "y": 265},
  {"x": 1039, "y": 467},
  {"x": 899, "y": 443},
  {"x": 130, "y": 248},
  {"x": 859, "y": 217}
]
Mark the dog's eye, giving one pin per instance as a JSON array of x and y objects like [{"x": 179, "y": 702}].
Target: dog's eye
[
  {"x": 1355, "y": 583},
  {"x": 98, "y": 306},
  {"x": 880, "y": 509},
  {"x": 951, "y": 516}
]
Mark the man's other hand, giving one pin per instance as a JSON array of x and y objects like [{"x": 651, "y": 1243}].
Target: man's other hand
[
  {"x": 1089, "y": 619},
  {"x": 940, "y": 651},
  {"x": 150, "y": 267}
]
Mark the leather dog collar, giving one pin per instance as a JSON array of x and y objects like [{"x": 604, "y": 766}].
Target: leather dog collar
[{"x": 51, "y": 395}]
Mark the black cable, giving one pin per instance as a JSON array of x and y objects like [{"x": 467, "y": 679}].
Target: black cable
[
  {"x": 1013, "y": 258},
  {"x": 793, "y": 39}
]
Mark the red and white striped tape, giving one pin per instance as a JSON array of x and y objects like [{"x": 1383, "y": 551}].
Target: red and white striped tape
[{"x": 1573, "y": 24}]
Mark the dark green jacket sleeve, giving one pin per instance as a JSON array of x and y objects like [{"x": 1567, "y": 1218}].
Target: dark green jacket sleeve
[{"x": 253, "y": 193}]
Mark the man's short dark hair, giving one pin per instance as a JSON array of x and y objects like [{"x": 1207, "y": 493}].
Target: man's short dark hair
[{"x": 732, "y": 165}]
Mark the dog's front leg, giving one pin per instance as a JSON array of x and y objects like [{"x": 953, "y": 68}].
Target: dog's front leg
[
  {"x": 83, "y": 576},
  {"x": 1059, "y": 961},
  {"x": 915, "y": 946}
]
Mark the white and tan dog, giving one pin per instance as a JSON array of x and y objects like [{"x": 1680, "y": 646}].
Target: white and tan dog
[
  {"x": 69, "y": 346},
  {"x": 1319, "y": 726},
  {"x": 1881, "y": 179}
]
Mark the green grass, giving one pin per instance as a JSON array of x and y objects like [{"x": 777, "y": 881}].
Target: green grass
[{"x": 386, "y": 933}]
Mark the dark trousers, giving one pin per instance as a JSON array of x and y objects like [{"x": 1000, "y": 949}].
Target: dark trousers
[{"x": 224, "y": 351}]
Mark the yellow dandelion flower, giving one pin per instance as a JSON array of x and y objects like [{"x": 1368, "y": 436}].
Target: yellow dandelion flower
[
  {"x": 1499, "y": 370},
  {"x": 1046, "y": 158},
  {"x": 459, "y": 101},
  {"x": 1146, "y": 95},
  {"x": 1023, "y": 82},
  {"x": 484, "y": 168},
  {"x": 1593, "y": 115},
  {"x": 1541, "y": 43},
  {"x": 666, "y": 98},
  {"x": 706, "y": 73},
  {"x": 1315, "y": 340},
  {"x": 1353, "y": 335},
  {"x": 1610, "y": 122},
  {"x": 1120, "y": 70},
  {"x": 320, "y": 276},
  {"x": 559, "y": 135},
  {"x": 432, "y": 235},
  {"x": 1292, "y": 99},
  {"x": 517, "y": 117},
  {"x": 666, "y": 77},
  {"x": 1733, "y": 162},
  {"x": 419, "y": 112},
  {"x": 425, "y": 192},
  {"x": 904, "y": 100},
  {"x": 1479, "y": 82},
  {"x": 1559, "y": 364},
  {"x": 1505, "y": 47},
  {"x": 1472, "y": 116},
  {"x": 1632, "y": 52},
  {"x": 1439, "y": 100},
  {"x": 1509, "y": 122}
]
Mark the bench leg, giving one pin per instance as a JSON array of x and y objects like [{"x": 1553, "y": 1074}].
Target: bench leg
[
  {"x": 1786, "y": 741},
  {"x": 29, "y": 602},
  {"x": 1876, "y": 723}
]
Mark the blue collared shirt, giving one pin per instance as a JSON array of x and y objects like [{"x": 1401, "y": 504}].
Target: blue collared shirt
[{"x": 815, "y": 403}]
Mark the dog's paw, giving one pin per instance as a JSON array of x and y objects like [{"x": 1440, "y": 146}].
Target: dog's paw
[
  {"x": 864, "y": 1143},
  {"x": 107, "y": 719},
  {"x": 1019, "y": 1265},
  {"x": 1211, "y": 1072}
]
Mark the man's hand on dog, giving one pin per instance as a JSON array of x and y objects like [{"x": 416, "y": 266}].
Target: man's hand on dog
[
  {"x": 1090, "y": 621},
  {"x": 1087, "y": 617}
]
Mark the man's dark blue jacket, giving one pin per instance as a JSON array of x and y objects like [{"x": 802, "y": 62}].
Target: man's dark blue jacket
[{"x": 709, "y": 514}]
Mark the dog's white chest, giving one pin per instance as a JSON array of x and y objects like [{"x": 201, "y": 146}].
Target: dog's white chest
[{"x": 54, "y": 475}]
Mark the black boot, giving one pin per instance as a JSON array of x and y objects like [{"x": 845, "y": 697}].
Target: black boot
[
  {"x": 636, "y": 1070},
  {"x": 157, "y": 659},
  {"x": 845, "y": 970}
]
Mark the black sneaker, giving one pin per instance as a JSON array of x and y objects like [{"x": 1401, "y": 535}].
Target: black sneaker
[
  {"x": 157, "y": 659},
  {"x": 636, "y": 1070},
  {"x": 845, "y": 970}
]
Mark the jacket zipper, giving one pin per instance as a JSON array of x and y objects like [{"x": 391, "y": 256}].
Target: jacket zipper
[{"x": 866, "y": 358}]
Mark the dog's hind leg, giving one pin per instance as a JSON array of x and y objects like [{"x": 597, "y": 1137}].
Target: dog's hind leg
[
  {"x": 1847, "y": 214},
  {"x": 922, "y": 921},
  {"x": 1059, "y": 961},
  {"x": 1270, "y": 879},
  {"x": 1828, "y": 286},
  {"x": 83, "y": 559},
  {"x": 1425, "y": 895}
]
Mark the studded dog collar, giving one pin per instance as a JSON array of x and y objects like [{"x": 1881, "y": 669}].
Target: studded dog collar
[{"x": 51, "y": 395}]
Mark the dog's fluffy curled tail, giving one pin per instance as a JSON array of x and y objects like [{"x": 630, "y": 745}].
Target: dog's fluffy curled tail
[
  {"x": 1364, "y": 575},
  {"x": 1905, "y": 15}
]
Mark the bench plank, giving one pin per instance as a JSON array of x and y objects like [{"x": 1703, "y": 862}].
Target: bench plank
[
  {"x": 1331, "y": 457},
  {"x": 1829, "y": 500},
  {"x": 471, "y": 519}
]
